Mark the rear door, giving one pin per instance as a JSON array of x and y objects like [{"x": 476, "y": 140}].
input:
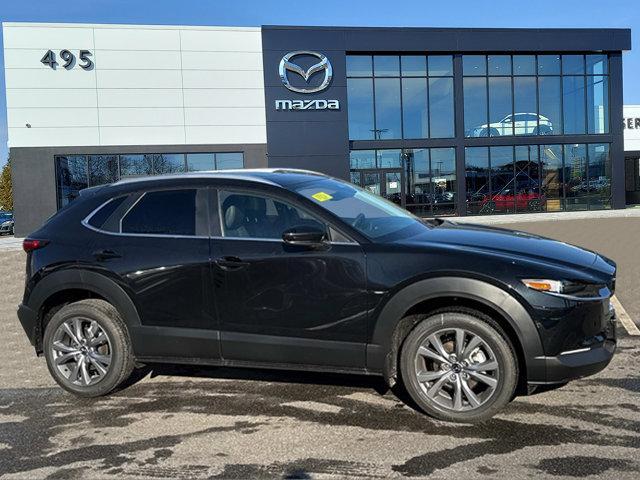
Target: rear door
[
  {"x": 285, "y": 304},
  {"x": 157, "y": 243}
]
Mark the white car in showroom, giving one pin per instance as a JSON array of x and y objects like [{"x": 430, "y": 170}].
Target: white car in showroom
[{"x": 516, "y": 124}]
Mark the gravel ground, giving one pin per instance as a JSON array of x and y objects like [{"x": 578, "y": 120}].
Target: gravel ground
[{"x": 180, "y": 422}]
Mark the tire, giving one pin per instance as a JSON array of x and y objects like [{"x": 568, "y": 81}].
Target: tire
[
  {"x": 103, "y": 337},
  {"x": 437, "y": 389},
  {"x": 534, "y": 206}
]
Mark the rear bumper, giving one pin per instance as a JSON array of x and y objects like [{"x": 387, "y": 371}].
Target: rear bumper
[{"x": 28, "y": 318}]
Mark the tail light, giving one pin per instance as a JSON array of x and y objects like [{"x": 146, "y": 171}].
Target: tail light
[{"x": 31, "y": 244}]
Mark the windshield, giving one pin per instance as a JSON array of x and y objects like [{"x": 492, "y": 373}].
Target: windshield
[{"x": 371, "y": 215}]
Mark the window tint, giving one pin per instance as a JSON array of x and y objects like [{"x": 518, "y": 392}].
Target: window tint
[
  {"x": 167, "y": 212},
  {"x": 252, "y": 216},
  {"x": 101, "y": 216}
]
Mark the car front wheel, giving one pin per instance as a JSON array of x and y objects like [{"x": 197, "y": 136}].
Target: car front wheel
[
  {"x": 87, "y": 348},
  {"x": 458, "y": 366}
]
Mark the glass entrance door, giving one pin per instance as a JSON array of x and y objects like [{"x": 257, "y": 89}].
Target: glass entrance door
[{"x": 388, "y": 183}]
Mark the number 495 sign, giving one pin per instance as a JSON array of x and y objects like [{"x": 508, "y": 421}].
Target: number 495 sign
[{"x": 68, "y": 59}]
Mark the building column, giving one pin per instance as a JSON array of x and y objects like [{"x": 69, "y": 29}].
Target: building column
[{"x": 617, "y": 134}]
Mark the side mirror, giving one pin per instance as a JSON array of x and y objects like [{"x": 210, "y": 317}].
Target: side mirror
[{"x": 305, "y": 236}]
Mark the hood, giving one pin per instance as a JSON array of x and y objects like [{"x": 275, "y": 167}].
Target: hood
[{"x": 500, "y": 240}]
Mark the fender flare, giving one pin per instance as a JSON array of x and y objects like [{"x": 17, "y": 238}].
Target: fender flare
[
  {"x": 78, "y": 279},
  {"x": 381, "y": 346}
]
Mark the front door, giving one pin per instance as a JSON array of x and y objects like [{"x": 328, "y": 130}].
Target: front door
[
  {"x": 387, "y": 182},
  {"x": 285, "y": 304}
]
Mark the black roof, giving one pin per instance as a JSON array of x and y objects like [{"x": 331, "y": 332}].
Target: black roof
[{"x": 272, "y": 176}]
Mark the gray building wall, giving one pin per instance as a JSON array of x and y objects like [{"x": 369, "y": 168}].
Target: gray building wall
[{"x": 33, "y": 174}]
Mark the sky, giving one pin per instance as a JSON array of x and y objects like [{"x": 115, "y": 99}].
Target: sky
[{"x": 396, "y": 13}]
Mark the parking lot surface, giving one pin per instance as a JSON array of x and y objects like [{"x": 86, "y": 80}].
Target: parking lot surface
[{"x": 193, "y": 422}]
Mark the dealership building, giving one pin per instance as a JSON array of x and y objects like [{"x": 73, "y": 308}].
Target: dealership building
[{"x": 440, "y": 121}]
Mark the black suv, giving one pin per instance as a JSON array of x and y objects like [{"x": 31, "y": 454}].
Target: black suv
[{"x": 296, "y": 270}]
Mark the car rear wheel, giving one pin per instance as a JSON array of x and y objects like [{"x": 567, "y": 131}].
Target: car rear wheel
[
  {"x": 458, "y": 366},
  {"x": 87, "y": 348}
]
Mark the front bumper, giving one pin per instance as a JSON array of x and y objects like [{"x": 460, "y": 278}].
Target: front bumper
[
  {"x": 29, "y": 320},
  {"x": 581, "y": 362}
]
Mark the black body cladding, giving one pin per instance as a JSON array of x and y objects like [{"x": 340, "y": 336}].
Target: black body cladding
[{"x": 203, "y": 296}]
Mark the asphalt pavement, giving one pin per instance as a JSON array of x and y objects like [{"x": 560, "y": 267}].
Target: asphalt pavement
[{"x": 194, "y": 422}]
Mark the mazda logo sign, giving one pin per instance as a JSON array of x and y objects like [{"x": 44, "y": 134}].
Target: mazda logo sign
[{"x": 286, "y": 65}]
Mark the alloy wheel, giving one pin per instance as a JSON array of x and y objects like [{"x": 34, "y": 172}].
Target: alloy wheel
[
  {"x": 456, "y": 369},
  {"x": 81, "y": 351}
]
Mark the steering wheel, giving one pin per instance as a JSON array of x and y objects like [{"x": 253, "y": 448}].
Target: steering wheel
[{"x": 359, "y": 222}]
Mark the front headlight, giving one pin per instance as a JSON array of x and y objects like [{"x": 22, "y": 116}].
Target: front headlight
[
  {"x": 544, "y": 285},
  {"x": 568, "y": 288}
]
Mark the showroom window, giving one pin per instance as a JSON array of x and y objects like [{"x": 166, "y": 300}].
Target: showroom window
[
  {"x": 75, "y": 172},
  {"x": 423, "y": 180},
  {"x": 532, "y": 178},
  {"x": 506, "y": 95},
  {"x": 400, "y": 96}
]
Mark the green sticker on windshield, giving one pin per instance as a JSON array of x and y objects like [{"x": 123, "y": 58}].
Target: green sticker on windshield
[{"x": 321, "y": 196}]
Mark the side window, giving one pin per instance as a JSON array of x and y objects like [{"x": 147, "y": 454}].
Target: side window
[
  {"x": 165, "y": 212},
  {"x": 99, "y": 218},
  {"x": 253, "y": 216}
]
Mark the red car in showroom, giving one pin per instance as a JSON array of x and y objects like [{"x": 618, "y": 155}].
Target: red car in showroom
[{"x": 507, "y": 200}]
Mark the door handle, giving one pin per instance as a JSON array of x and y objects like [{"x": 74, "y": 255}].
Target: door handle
[
  {"x": 230, "y": 263},
  {"x": 106, "y": 254}
]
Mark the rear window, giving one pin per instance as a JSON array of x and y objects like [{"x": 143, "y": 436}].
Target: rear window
[
  {"x": 101, "y": 216},
  {"x": 166, "y": 212}
]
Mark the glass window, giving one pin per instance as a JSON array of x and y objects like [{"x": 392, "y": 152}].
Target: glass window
[
  {"x": 598, "y": 104},
  {"x": 477, "y": 179},
  {"x": 597, "y": 64},
  {"x": 573, "y": 94},
  {"x": 552, "y": 177},
  {"x": 418, "y": 180},
  {"x": 502, "y": 181},
  {"x": 252, "y": 216},
  {"x": 168, "y": 163},
  {"x": 102, "y": 169},
  {"x": 599, "y": 174},
  {"x": 441, "y": 115},
  {"x": 475, "y": 107},
  {"x": 443, "y": 178},
  {"x": 440, "y": 65},
  {"x": 550, "y": 106},
  {"x": 415, "y": 116},
  {"x": 524, "y": 64},
  {"x": 414, "y": 65},
  {"x": 360, "y": 159},
  {"x": 71, "y": 172},
  {"x": 360, "y": 105},
  {"x": 527, "y": 179},
  {"x": 199, "y": 162},
  {"x": 101, "y": 216},
  {"x": 548, "y": 64},
  {"x": 500, "y": 107},
  {"x": 167, "y": 212},
  {"x": 577, "y": 185},
  {"x": 386, "y": 65},
  {"x": 572, "y": 64},
  {"x": 359, "y": 66},
  {"x": 473, "y": 65},
  {"x": 388, "y": 115},
  {"x": 136, "y": 165},
  {"x": 525, "y": 118},
  {"x": 389, "y": 158},
  {"x": 499, "y": 65},
  {"x": 229, "y": 160}
]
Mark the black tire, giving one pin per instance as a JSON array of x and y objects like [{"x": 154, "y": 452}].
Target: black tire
[
  {"x": 121, "y": 354},
  {"x": 476, "y": 324}
]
